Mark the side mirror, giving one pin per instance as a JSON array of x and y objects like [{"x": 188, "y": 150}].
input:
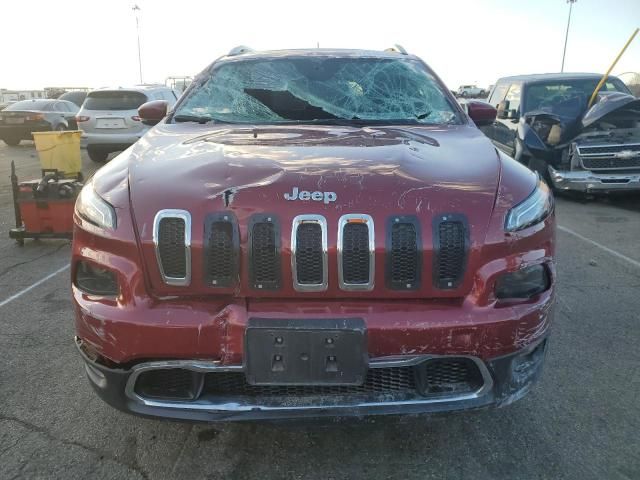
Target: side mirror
[
  {"x": 481, "y": 113},
  {"x": 152, "y": 112}
]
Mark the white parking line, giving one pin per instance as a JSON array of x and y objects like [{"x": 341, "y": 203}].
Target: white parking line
[
  {"x": 31, "y": 287},
  {"x": 633, "y": 262}
]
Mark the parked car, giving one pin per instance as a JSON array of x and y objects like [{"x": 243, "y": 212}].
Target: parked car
[
  {"x": 470, "y": 91},
  {"x": 313, "y": 232},
  {"x": 4, "y": 105},
  {"x": 19, "y": 119},
  {"x": 75, "y": 96},
  {"x": 109, "y": 117},
  {"x": 544, "y": 122}
]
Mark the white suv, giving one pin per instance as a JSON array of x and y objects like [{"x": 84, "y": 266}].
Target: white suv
[{"x": 109, "y": 117}]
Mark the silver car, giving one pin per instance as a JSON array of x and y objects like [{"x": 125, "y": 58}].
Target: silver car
[{"x": 109, "y": 118}]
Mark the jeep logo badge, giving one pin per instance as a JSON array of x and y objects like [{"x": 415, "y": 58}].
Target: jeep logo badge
[{"x": 304, "y": 195}]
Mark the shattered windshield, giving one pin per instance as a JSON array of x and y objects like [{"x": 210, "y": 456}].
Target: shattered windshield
[
  {"x": 567, "y": 98},
  {"x": 319, "y": 89}
]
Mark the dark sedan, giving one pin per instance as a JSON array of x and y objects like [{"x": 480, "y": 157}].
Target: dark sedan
[{"x": 19, "y": 119}]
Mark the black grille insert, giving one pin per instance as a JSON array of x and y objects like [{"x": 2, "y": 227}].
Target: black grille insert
[
  {"x": 172, "y": 248},
  {"x": 610, "y": 163},
  {"x": 450, "y": 376},
  {"x": 404, "y": 253},
  {"x": 608, "y": 149},
  {"x": 264, "y": 252},
  {"x": 221, "y": 246},
  {"x": 437, "y": 377},
  {"x": 379, "y": 380},
  {"x": 168, "y": 383},
  {"x": 451, "y": 244},
  {"x": 309, "y": 254},
  {"x": 356, "y": 269}
]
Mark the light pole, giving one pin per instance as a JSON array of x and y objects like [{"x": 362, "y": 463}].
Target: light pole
[
  {"x": 566, "y": 36},
  {"x": 136, "y": 9}
]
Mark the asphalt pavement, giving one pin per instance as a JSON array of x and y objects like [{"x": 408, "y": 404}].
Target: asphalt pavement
[{"x": 582, "y": 420}]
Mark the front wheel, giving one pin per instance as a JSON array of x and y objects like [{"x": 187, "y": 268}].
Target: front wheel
[
  {"x": 60, "y": 128},
  {"x": 11, "y": 141},
  {"x": 97, "y": 155}
]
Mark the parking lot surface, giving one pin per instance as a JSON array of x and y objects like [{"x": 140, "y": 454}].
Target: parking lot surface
[{"x": 580, "y": 422}]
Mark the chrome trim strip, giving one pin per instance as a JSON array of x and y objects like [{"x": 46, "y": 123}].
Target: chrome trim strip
[
  {"x": 297, "y": 221},
  {"x": 235, "y": 404},
  {"x": 186, "y": 217},
  {"x": 344, "y": 220}
]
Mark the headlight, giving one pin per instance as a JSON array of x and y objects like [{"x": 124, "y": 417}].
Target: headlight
[
  {"x": 533, "y": 209},
  {"x": 94, "y": 209}
]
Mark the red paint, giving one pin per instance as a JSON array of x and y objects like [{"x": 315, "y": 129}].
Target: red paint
[
  {"x": 481, "y": 113},
  {"x": 376, "y": 171},
  {"x": 152, "y": 112}
]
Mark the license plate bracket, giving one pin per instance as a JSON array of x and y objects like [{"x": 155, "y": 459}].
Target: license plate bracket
[{"x": 305, "y": 352}]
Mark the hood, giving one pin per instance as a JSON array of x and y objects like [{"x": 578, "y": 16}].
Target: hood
[
  {"x": 251, "y": 169},
  {"x": 330, "y": 171},
  {"x": 541, "y": 133},
  {"x": 609, "y": 103}
]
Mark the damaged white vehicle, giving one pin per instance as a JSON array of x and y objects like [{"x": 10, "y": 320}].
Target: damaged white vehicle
[{"x": 544, "y": 122}]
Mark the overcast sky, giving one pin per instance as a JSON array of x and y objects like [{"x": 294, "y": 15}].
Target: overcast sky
[{"x": 93, "y": 42}]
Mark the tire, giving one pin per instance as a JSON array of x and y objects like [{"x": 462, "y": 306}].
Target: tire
[
  {"x": 59, "y": 128},
  {"x": 97, "y": 155},
  {"x": 12, "y": 142}
]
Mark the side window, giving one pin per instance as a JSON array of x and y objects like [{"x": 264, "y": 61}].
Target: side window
[
  {"x": 169, "y": 97},
  {"x": 498, "y": 94},
  {"x": 59, "y": 107},
  {"x": 513, "y": 97},
  {"x": 71, "y": 107}
]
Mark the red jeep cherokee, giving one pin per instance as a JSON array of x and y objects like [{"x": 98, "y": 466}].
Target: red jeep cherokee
[{"x": 308, "y": 233}]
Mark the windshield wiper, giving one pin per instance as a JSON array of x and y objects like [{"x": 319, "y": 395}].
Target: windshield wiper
[{"x": 202, "y": 119}]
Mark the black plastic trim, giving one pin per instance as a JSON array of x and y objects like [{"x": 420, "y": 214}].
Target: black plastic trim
[
  {"x": 395, "y": 220},
  {"x": 222, "y": 217},
  {"x": 437, "y": 221},
  {"x": 273, "y": 220}
]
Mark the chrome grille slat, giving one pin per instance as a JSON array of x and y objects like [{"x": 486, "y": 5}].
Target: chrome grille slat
[
  {"x": 172, "y": 242},
  {"x": 309, "y": 253}
]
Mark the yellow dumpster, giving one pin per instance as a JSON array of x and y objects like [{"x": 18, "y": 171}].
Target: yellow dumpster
[{"x": 59, "y": 151}]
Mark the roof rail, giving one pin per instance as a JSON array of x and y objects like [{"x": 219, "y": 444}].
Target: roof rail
[
  {"x": 239, "y": 50},
  {"x": 397, "y": 48}
]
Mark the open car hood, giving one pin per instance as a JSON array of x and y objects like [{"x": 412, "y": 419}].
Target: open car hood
[{"x": 607, "y": 104}]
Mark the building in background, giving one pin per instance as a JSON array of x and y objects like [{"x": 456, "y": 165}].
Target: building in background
[{"x": 7, "y": 95}]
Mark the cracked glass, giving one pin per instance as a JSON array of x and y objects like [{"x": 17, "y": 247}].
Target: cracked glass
[{"x": 319, "y": 89}]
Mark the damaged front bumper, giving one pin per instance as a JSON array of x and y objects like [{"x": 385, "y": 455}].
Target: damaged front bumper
[
  {"x": 210, "y": 391},
  {"x": 589, "y": 182}
]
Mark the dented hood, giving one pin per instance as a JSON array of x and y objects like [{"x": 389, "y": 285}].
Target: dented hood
[
  {"x": 199, "y": 168},
  {"x": 609, "y": 103}
]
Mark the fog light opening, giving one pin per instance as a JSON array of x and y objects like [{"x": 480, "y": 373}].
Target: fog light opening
[
  {"x": 96, "y": 280},
  {"x": 523, "y": 284}
]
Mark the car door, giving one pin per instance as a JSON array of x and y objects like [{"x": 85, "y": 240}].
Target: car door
[
  {"x": 497, "y": 95},
  {"x": 506, "y": 128}
]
